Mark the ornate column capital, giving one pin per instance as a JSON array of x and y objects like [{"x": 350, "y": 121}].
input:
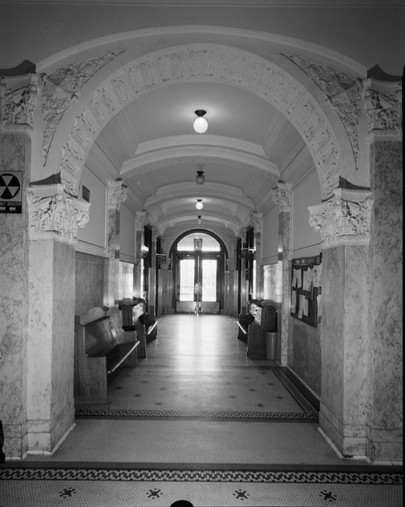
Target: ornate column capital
[
  {"x": 117, "y": 193},
  {"x": 257, "y": 222},
  {"x": 18, "y": 100},
  {"x": 281, "y": 195},
  {"x": 343, "y": 219},
  {"x": 141, "y": 218},
  {"x": 382, "y": 102},
  {"x": 53, "y": 213}
]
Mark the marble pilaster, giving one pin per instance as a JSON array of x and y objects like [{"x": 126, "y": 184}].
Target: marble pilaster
[
  {"x": 344, "y": 224},
  {"x": 386, "y": 306},
  {"x": 345, "y": 347},
  {"x": 18, "y": 104},
  {"x": 383, "y": 106},
  {"x": 152, "y": 272},
  {"x": 54, "y": 219},
  {"x": 117, "y": 193},
  {"x": 257, "y": 221},
  {"x": 14, "y": 149},
  {"x": 50, "y": 399},
  {"x": 140, "y": 222},
  {"x": 282, "y": 195}
]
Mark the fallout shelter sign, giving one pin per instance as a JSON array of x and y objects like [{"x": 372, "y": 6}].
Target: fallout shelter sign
[{"x": 10, "y": 192}]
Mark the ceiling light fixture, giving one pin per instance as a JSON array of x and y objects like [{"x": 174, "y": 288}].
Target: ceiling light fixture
[
  {"x": 200, "y": 178},
  {"x": 199, "y": 204},
  {"x": 199, "y": 219},
  {"x": 200, "y": 124}
]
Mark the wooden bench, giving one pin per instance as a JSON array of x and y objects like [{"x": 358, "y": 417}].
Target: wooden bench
[
  {"x": 145, "y": 328},
  {"x": 102, "y": 349}
]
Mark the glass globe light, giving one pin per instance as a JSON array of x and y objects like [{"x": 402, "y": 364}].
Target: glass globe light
[{"x": 200, "y": 124}]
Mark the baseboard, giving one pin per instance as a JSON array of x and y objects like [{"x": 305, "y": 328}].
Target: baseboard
[{"x": 305, "y": 390}]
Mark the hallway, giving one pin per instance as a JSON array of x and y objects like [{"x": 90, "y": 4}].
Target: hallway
[{"x": 197, "y": 420}]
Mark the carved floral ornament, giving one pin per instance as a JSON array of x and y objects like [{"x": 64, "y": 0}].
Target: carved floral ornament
[
  {"x": 53, "y": 213},
  {"x": 383, "y": 105},
  {"x": 341, "y": 92},
  {"x": 281, "y": 195},
  {"x": 257, "y": 222},
  {"x": 344, "y": 218},
  {"x": 117, "y": 193},
  {"x": 18, "y": 100},
  {"x": 207, "y": 63},
  {"x": 62, "y": 87}
]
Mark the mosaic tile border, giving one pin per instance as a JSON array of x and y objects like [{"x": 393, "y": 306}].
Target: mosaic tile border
[
  {"x": 308, "y": 414},
  {"x": 197, "y": 414},
  {"x": 148, "y": 475}
]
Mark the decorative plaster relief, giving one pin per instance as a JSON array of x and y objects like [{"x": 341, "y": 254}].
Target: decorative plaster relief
[
  {"x": 141, "y": 219},
  {"x": 117, "y": 193},
  {"x": 281, "y": 195},
  {"x": 344, "y": 218},
  {"x": 341, "y": 92},
  {"x": 18, "y": 99},
  {"x": 61, "y": 88},
  {"x": 53, "y": 212},
  {"x": 205, "y": 63},
  {"x": 383, "y": 105},
  {"x": 257, "y": 222}
]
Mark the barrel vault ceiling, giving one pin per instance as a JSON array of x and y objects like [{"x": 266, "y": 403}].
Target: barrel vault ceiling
[{"x": 247, "y": 148}]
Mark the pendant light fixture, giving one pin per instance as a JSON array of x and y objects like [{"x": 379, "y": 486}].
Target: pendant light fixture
[
  {"x": 200, "y": 178},
  {"x": 200, "y": 124},
  {"x": 199, "y": 204},
  {"x": 198, "y": 219}
]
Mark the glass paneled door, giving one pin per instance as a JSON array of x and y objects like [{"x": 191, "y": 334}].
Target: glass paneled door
[{"x": 198, "y": 283}]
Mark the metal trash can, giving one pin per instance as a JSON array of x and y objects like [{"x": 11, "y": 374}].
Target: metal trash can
[{"x": 271, "y": 345}]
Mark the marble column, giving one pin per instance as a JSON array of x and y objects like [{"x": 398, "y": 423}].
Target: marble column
[
  {"x": 282, "y": 196},
  {"x": 54, "y": 219},
  {"x": 117, "y": 193},
  {"x": 140, "y": 222},
  {"x": 383, "y": 105},
  {"x": 152, "y": 273},
  {"x": 344, "y": 224},
  {"x": 257, "y": 221},
  {"x": 18, "y": 100}
]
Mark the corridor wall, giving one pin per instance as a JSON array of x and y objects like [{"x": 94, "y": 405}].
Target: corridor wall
[
  {"x": 92, "y": 237},
  {"x": 127, "y": 235},
  {"x": 304, "y": 347}
]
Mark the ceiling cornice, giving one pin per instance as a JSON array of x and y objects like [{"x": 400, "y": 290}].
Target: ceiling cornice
[{"x": 154, "y": 154}]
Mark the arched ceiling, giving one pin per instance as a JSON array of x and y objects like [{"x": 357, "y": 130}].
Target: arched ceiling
[
  {"x": 248, "y": 147},
  {"x": 149, "y": 142}
]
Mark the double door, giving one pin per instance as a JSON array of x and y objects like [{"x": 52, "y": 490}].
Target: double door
[{"x": 198, "y": 283}]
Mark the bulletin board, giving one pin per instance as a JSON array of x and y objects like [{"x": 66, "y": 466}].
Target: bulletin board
[{"x": 306, "y": 289}]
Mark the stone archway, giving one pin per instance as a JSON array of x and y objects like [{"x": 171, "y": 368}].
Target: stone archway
[{"x": 287, "y": 84}]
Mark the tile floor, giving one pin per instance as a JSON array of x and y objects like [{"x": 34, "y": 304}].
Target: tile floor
[{"x": 200, "y": 422}]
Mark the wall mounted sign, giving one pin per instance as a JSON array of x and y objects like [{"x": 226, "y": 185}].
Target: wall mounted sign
[{"x": 11, "y": 192}]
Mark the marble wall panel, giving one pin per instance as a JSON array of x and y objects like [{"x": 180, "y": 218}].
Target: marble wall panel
[
  {"x": 305, "y": 359},
  {"x": 89, "y": 282}
]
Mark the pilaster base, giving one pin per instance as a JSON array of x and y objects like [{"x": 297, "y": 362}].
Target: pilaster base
[{"x": 350, "y": 441}]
